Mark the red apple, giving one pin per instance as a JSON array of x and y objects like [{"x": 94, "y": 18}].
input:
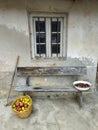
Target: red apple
[
  {"x": 17, "y": 104},
  {"x": 18, "y": 108},
  {"x": 25, "y": 105},
  {"x": 21, "y": 104},
  {"x": 21, "y": 99}
]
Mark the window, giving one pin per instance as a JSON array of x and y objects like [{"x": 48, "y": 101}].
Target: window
[{"x": 48, "y": 35}]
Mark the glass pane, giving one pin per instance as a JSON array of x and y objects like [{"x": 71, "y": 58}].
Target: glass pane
[
  {"x": 40, "y": 26},
  {"x": 55, "y": 26},
  {"x": 41, "y": 49},
  {"x": 40, "y": 38},
  {"x": 55, "y": 38},
  {"x": 55, "y": 48}
]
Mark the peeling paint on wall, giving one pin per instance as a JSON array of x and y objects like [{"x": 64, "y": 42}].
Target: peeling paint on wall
[{"x": 14, "y": 19}]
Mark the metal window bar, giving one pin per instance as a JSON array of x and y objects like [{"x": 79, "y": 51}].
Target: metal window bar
[
  {"x": 39, "y": 36},
  {"x": 45, "y": 35},
  {"x": 57, "y": 36},
  {"x": 51, "y": 35}
]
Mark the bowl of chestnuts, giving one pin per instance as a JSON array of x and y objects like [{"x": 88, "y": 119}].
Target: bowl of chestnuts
[{"x": 82, "y": 85}]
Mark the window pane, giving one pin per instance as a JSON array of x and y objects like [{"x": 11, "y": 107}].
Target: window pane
[
  {"x": 40, "y": 38},
  {"x": 55, "y": 48},
  {"x": 41, "y": 49},
  {"x": 40, "y": 26},
  {"x": 55, "y": 38},
  {"x": 55, "y": 26}
]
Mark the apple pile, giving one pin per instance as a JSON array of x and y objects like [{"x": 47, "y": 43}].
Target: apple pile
[{"x": 21, "y": 104}]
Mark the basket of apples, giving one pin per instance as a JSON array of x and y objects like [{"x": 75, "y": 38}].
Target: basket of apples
[{"x": 22, "y": 106}]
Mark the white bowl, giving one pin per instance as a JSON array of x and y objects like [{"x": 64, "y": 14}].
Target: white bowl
[{"x": 81, "y": 88}]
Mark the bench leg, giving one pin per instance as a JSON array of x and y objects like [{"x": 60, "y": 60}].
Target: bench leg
[
  {"x": 27, "y": 84},
  {"x": 79, "y": 98}
]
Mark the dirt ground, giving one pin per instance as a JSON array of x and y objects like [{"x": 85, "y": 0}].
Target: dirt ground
[{"x": 54, "y": 114}]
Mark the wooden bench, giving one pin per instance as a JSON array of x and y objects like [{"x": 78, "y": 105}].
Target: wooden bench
[{"x": 50, "y": 71}]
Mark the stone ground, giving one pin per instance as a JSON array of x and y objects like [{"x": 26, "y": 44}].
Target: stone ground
[{"x": 54, "y": 114}]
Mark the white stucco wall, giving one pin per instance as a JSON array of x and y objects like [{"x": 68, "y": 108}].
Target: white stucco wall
[
  {"x": 82, "y": 38},
  {"x": 14, "y": 33}
]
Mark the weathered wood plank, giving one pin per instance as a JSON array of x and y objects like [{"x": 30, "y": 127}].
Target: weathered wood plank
[
  {"x": 55, "y": 71},
  {"x": 45, "y": 89}
]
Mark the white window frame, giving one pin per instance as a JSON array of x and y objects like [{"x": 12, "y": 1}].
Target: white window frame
[{"x": 63, "y": 48}]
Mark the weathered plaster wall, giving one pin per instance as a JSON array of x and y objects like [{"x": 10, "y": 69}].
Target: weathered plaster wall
[
  {"x": 83, "y": 20},
  {"x": 82, "y": 27},
  {"x": 81, "y": 42}
]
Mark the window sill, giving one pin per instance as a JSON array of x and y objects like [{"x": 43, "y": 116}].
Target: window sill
[{"x": 49, "y": 59}]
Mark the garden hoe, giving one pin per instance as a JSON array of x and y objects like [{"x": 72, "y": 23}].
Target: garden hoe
[{"x": 10, "y": 102}]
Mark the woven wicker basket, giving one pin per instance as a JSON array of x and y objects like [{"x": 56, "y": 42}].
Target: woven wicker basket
[{"x": 25, "y": 113}]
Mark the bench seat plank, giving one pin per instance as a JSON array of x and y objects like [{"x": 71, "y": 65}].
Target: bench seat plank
[{"x": 45, "y": 89}]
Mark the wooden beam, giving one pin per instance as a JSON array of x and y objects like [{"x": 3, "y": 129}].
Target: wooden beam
[
  {"x": 45, "y": 89},
  {"x": 55, "y": 71}
]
